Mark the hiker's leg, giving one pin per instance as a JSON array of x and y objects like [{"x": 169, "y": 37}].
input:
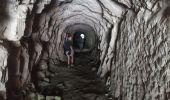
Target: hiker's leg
[
  {"x": 68, "y": 57},
  {"x": 81, "y": 46},
  {"x": 72, "y": 57}
]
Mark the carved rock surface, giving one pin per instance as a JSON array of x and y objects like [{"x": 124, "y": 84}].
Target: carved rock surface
[{"x": 127, "y": 42}]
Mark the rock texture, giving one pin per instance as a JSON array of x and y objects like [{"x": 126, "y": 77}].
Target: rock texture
[
  {"x": 128, "y": 44},
  {"x": 141, "y": 57},
  {"x": 76, "y": 83}
]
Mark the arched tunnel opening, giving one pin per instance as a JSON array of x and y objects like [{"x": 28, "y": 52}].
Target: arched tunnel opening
[{"x": 88, "y": 53}]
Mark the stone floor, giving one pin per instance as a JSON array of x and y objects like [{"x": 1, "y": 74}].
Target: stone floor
[{"x": 75, "y": 83}]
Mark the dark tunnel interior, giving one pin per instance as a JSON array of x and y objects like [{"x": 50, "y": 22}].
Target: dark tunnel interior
[{"x": 89, "y": 54}]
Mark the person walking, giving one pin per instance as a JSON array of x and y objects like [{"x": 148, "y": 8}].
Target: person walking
[
  {"x": 68, "y": 50},
  {"x": 81, "y": 41}
]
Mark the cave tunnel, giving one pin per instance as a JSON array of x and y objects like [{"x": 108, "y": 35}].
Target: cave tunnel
[
  {"x": 121, "y": 50},
  {"x": 89, "y": 53},
  {"x": 41, "y": 70}
]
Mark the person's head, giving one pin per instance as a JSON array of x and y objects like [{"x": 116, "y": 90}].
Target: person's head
[
  {"x": 82, "y": 36},
  {"x": 69, "y": 36}
]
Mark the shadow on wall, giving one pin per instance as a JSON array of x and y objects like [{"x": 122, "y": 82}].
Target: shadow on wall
[
  {"x": 59, "y": 2},
  {"x": 4, "y": 17},
  {"x": 166, "y": 13}
]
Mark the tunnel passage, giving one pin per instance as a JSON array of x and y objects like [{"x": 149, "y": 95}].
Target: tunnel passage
[
  {"x": 50, "y": 73},
  {"x": 40, "y": 46},
  {"x": 57, "y": 79},
  {"x": 89, "y": 53},
  {"x": 134, "y": 46}
]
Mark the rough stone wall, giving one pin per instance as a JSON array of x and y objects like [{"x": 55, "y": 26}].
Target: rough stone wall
[
  {"x": 3, "y": 68},
  {"x": 140, "y": 66}
]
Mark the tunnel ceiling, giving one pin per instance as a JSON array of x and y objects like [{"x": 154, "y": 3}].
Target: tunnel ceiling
[
  {"x": 54, "y": 21},
  {"x": 129, "y": 41}
]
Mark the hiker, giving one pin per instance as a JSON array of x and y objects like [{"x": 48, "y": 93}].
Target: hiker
[
  {"x": 81, "y": 41},
  {"x": 68, "y": 49}
]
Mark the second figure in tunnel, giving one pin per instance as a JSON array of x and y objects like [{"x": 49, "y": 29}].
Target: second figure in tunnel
[
  {"x": 69, "y": 50},
  {"x": 81, "y": 41}
]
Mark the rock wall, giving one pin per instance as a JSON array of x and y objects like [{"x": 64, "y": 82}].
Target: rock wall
[
  {"x": 141, "y": 55},
  {"x": 4, "y": 69}
]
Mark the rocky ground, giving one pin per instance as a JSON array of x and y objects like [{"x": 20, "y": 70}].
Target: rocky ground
[{"x": 75, "y": 83}]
